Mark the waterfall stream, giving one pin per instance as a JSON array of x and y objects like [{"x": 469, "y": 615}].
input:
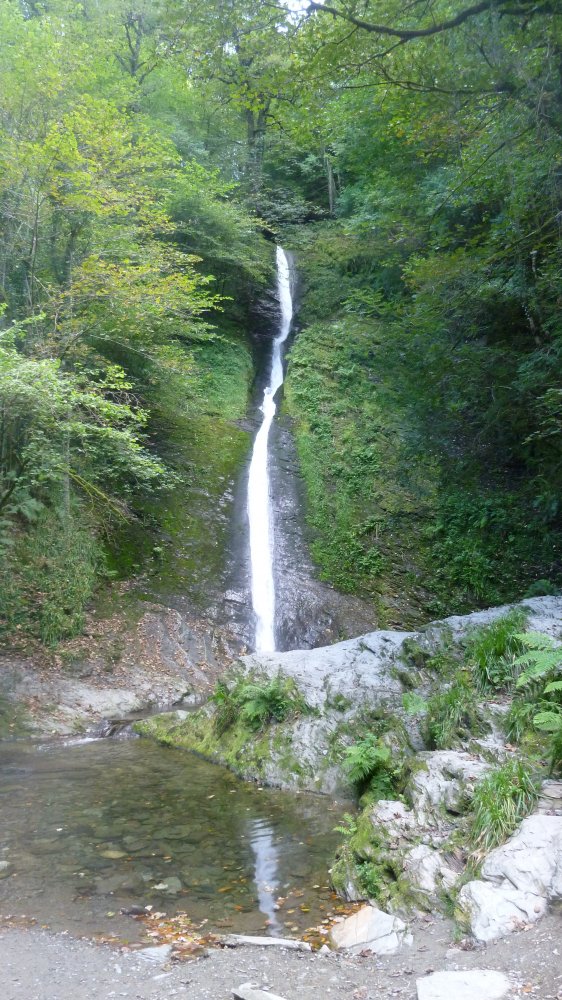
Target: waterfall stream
[{"x": 259, "y": 499}]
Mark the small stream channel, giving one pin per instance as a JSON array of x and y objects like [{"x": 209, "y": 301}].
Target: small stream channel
[{"x": 93, "y": 827}]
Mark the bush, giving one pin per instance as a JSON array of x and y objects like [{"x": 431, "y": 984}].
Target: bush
[
  {"x": 368, "y": 764},
  {"x": 519, "y": 719},
  {"x": 501, "y": 801},
  {"x": 542, "y": 661},
  {"x": 452, "y": 716},
  {"x": 256, "y": 704},
  {"x": 48, "y": 578},
  {"x": 492, "y": 651}
]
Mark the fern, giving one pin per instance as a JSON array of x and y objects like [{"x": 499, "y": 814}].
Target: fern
[
  {"x": 540, "y": 658},
  {"x": 348, "y": 826},
  {"x": 369, "y": 765}
]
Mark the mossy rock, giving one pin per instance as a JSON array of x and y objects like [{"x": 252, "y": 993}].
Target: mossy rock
[{"x": 266, "y": 755}]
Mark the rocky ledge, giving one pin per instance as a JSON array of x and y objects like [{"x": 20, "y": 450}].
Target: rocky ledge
[{"x": 419, "y": 727}]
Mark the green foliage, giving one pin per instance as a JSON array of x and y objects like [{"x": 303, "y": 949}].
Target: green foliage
[
  {"x": 348, "y": 826},
  {"x": 519, "y": 719},
  {"x": 360, "y": 489},
  {"x": 48, "y": 577},
  {"x": 501, "y": 800},
  {"x": 542, "y": 661},
  {"x": 256, "y": 704},
  {"x": 121, "y": 255},
  {"x": 372, "y": 879},
  {"x": 413, "y": 703},
  {"x": 541, "y": 588},
  {"x": 492, "y": 651},
  {"x": 369, "y": 766},
  {"x": 452, "y": 715}
]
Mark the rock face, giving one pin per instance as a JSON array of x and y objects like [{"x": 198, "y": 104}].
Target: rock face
[
  {"x": 518, "y": 880},
  {"x": 354, "y": 670},
  {"x": 371, "y": 929},
  {"x": 477, "y": 984},
  {"x": 444, "y": 784}
]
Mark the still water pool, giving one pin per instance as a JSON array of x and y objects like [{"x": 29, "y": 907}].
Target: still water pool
[{"x": 89, "y": 828}]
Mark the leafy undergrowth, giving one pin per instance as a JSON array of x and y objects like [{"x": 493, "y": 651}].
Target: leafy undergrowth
[
  {"x": 501, "y": 801},
  {"x": 406, "y": 505},
  {"x": 453, "y": 716},
  {"x": 48, "y": 577},
  {"x": 256, "y": 704},
  {"x": 366, "y": 500},
  {"x": 492, "y": 651}
]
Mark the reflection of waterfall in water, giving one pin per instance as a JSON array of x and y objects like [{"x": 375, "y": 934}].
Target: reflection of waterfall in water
[
  {"x": 266, "y": 867},
  {"x": 259, "y": 501}
]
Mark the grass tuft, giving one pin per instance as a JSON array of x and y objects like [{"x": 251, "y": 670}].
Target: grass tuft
[
  {"x": 501, "y": 801},
  {"x": 452, "y": 716},
  {"x": 493, "y": 650}
]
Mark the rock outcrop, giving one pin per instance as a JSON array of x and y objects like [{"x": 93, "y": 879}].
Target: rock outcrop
[
  {"x": 519, "y": 879},
  {"x": 476, "y": 984},
  {"x": 370, "y": 929}
]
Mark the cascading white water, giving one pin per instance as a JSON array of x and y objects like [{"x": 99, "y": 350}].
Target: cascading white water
[{"x": 259, "y": 500}]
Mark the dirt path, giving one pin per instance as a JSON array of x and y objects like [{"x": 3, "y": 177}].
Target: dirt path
[{"x": 37, "y": 965}]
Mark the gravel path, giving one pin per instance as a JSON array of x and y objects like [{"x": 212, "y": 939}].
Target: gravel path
[{"x": 37, "y": 965}]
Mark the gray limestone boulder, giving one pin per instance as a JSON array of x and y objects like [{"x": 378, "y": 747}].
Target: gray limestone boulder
[
  {"x": 370, "y": 929},
  {"x": 427, "y": 870},
  {"x": 532, "y": 859},
  {"x": 355, "y": 671},
  {"x": 493, "y": 912},
  {"x": 518, "y": 880},
  {"x": 476, "y": 984}
]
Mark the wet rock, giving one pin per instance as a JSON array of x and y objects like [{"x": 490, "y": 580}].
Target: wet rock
[
  {"x": 370, "y": 929},
  {"x": 170, "y": 886},
  {"x": 550, "y": 801},
  {"x": 159, "y": 953},
  {"x": 476, "y": 984},
  {"x": 4, "y": 869},
  {"x": 235, "y": 597}
]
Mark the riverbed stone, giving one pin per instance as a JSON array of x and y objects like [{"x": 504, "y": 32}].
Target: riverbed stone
[
  {"x": 370, "y": 929},
  {"x": 158, "y": 953},
  {"x": 476, "y": 984},
  {"x": 171, "y": 886}
]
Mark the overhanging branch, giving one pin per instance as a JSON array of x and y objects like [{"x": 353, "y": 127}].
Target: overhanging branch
[{"x": 406, "y": 34}]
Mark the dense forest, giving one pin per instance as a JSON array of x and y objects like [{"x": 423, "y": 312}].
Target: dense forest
[{"x": 409, "y": 155}]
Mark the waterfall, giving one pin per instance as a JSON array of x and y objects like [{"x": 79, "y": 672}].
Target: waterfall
[{"x": 259, "y": 500}]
